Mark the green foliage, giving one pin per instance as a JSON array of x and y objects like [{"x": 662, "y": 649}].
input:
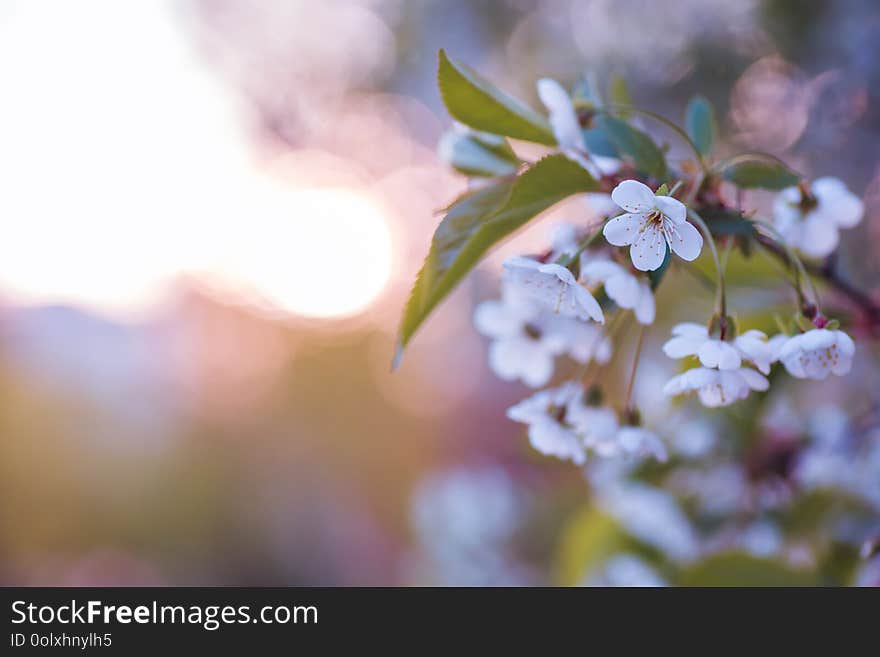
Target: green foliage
[
  {"x": 700, "y": 124},
  {"x": 727, "y": 221},
  {"x": 590, "y": 538},
  {"x": 480, "y": 154},
  {"x": 478, "y": 221},
  {"x": 479, "y": 104},
  {"x": 598, "y": 143},
  {"x": 618, "y": 93},
  {"x": 742, "y": 569},
  {"x": 634, "y": 144},
  {"x": 758, "y": 171}
]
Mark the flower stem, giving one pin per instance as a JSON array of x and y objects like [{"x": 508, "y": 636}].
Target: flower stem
[
  {"x": 721, "y": 293},
  {"x": 800, "y": 271},
  {"x": 635, "y": 367}
]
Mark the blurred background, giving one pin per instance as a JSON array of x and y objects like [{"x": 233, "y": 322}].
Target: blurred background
[{"x": 212, "y": 211}]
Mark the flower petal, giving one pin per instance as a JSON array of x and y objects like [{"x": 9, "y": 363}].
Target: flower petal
[
  {"x": 681, "y": 346},
  {"x": 645, "y": 310},
  {"x": 718, "y": 354},
  {"x": 672, "y": 208},
  {"x": 588, "y": 307},
  {"x": 623, "y": 230},
  {"x": 563, "y": 118},
  {"x": 753, "y": 379},
  {"x": 634, "y": 196},
  {"x": 820, "y": 235},
  {"x": 623, "y": 289},
  {"x": 686, "y": 241},
  {"x": 649, "y": 249}
]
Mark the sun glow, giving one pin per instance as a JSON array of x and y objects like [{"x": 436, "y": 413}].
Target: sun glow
[{"x": 125, "y": 165}]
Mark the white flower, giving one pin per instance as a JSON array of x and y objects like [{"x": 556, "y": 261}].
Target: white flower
[
  {"x": 622, "y": 287},
  {"x": 817, "y": 353},
  {"x": 602, "y": 205},
  {"x": 567, "y": 129},
  {"x": 602, "y": 433},
  {"x": 754, "y": 346},
  {"x": 649, "y": 225},
  {"x": 626, "y": 570},
  {"x": 691, "y": 339},
  {"x": 653, "y": 516},
  {"x": 522, "y": 348},
  {"x": 638, "y": 441},
  {"x": 563, "y": 240},
  {"x": 549, "y": 432},
  {"x": 582, "y": 341},
  {"x": 597, "y": 426},
  {"x": 717, "y": 387},
  {"x": 553, "y": 287},
  {"x": 812, "y": 224}
]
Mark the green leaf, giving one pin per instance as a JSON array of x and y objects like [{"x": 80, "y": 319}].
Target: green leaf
[
  {"x": 478, "y": 221},
  {"x": 598, "y": 143},
  {"x": 479, "y": 104},
  {"x": 478, "y": 153},
  {"x": 618, "y": 93},
  {"x": 727, "y": 221},
  {"x": 656, "y": 277},
  {"x": 700, "y": 124},
  {"x": 757, "y": 171},
  {"x": 635, "y": 144},
  {"x": 742, "y": 569},
  {"x": 590, "y": 538}
]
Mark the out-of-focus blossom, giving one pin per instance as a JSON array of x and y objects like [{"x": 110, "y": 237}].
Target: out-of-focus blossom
[
  {"x": 762, "y": 539},
  {"x": 526, "y": 339},
  {"x": 624, "y": 289},
  {"x": 651, "y": 223},
  {"x": 810, "y": 220},
  {"x": 638, "y": 441},
  {"x": 818, "y": 353},
  {"x": 463, "y": 521},
  {"x": 694, "y": 438},
  {"x": 522, "y": 347},
  {"x": 563, "y": 240},
  {"x": 717, "y": 388},
  {"x": 597, "y": 425},
  {"x": 653, "y": 516},
  {"x": 719, "y": 489},
  {"x": 626, "y": 570},
  {"x": 549, "y": 430},
  {"x": 567, "y": 129},
  {"x": 553, "y": 287}
]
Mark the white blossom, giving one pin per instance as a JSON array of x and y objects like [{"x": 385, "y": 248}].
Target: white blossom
[
  {"x": 812, "y": 224},
  {"x": 818, "y": 353},
  {"x": 567, "y": 129},
  {"x": 626, "y": 570},
  {"x": 649, "y": 225},
  {"x": 549, "y": 433},
  {"x": 652, "y": 515},
  {"x": 563, "y": 240},
  {"x": 597, "y": 426},
  {"x": 691, "y": 339},
  {"x": 522, "y": 347},
  {"x": 603, "y": 434},
  {"x": 717, "y": 387},
  {"x": 553, "y": 287},
  {"x": 582, "y": 341},
  {"x": 638, "y": 441},
  {"x": 622, "y": 287}
]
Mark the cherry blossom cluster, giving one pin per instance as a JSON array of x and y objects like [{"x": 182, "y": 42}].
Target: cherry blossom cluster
[{"x": 562, "y": 303}]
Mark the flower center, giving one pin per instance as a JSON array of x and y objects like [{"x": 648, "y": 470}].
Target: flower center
[{"x": 532, "y": 331}]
